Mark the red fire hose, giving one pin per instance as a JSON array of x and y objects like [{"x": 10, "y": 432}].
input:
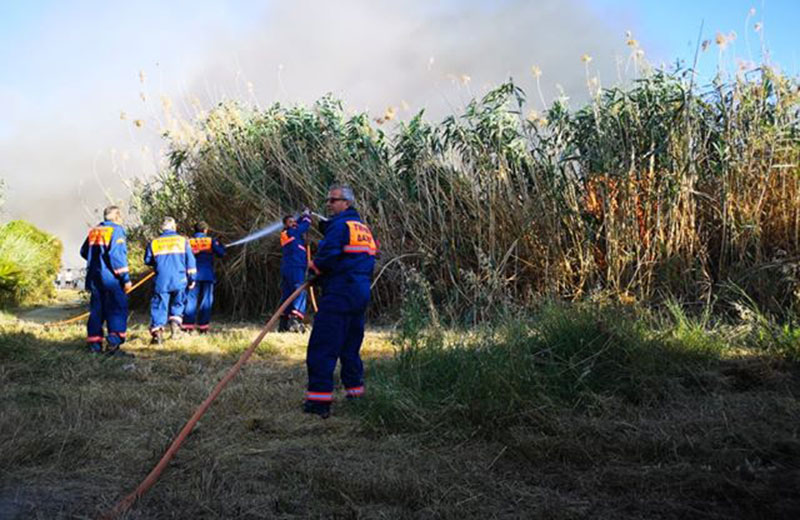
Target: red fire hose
[
  {"x": 152, "y": 477},
  {"x": 86, "y": 314}
]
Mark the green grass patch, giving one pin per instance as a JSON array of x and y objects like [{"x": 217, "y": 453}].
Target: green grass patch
[{"x": 563, "y": 357}]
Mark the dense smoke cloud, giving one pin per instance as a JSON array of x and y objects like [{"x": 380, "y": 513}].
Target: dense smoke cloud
[{"x": 62, "y": 168}]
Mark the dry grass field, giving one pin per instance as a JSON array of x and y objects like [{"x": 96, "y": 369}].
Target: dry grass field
[{"x": 712, "y": 438}]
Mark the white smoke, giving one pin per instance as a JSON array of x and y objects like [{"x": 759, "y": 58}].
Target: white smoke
[{"x": 66, "y": 159}]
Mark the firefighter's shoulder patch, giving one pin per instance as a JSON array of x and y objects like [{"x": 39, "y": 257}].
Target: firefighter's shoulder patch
[
  {"x": 361, "y": 240},
  {"x": 100, "y": 236},
  {"x": 168, "y": 245},
  {"x": 200, "y": 244},
  {"x": 285, "y": 238}
]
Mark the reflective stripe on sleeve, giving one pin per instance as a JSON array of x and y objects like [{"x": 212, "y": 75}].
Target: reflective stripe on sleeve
[{"x": 359, "y": 249}]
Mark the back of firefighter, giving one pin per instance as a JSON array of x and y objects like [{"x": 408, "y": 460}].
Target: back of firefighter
[
  {"x": 199, "y": 300},
  {"x": 343, "y": 264},
  {"x": 171, "y": 256},
  {"x": 294, "y": 263},
  {"x": 107, "y": 280}
]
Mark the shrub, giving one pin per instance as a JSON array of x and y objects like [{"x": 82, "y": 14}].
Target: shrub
[{"x": 29, "y": 262}]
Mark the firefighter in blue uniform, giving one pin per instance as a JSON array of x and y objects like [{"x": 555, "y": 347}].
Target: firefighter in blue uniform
[
  {"x": 293, "y": 269},
  {"x": 171, "y": 256},
  {"x": 343, "y": 267},
  {"x": 108, "y": 281},
  {"x": 200, "y": 299}
]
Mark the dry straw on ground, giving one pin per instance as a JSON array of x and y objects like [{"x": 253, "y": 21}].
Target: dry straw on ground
[{"x": 78, "y": 433}]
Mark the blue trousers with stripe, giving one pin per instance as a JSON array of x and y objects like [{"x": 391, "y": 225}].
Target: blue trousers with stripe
[
  {"x": 107, "y": 304},
  {"x": 291, "y": 279},
  {"x": 335, "y": 336},
  {"x": 198, "y": 305},
  {"x": 166, "y": 306}
]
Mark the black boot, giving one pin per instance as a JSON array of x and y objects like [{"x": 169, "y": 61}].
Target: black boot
[
  {"x": 317, "y": 408},
  {"x": 296, "y": 325},
  {"x": 283, "y": 325}
]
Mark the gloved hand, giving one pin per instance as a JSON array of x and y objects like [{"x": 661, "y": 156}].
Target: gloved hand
[
  {"x": 127, "y": 287},
  {"x": 306, "y": 212}
]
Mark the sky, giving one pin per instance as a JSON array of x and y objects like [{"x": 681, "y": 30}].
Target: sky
[{"x": 83, "y": 84}]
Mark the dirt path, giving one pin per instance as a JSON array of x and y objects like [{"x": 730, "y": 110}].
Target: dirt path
[
  {"x": 50, "y": 313},
  {"x": 68, "y": 303}
]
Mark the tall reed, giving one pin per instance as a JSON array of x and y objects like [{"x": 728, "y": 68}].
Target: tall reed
[{"x": 651, "y": 189}]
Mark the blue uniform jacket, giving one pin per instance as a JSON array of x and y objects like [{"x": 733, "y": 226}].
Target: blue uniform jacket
[
  {"x": 293, "y": 246},
  {"x": 345, "y": 260},
  {"x": 204, "y": 248},
  {"x": 106, "y": 254},
  {"x": 171, "y": 256}
]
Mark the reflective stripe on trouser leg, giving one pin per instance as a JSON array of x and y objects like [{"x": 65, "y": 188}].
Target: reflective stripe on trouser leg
[
  {"x": 352, "y": 368},
  {"x": 324, "y": 345},
  {"x": 319, "y": 397},
  {"x": 354, "y": 392},
  {"x": 205, "y": 301}
]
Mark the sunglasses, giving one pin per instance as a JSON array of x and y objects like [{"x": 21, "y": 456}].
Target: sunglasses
[{"x": 333, "y": 199}]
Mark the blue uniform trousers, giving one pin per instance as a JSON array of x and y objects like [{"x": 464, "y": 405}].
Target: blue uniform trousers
[
  {"x": 198, "y": 306},
  {"x": 107, "y": 304},
  {"x": 166, "y": 306},
  {"x": 335, "y": 336},
  {"x": 291, "y": 279}
]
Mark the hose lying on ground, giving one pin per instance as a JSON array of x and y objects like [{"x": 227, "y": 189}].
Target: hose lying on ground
[
  {"x": 86, "y": 314},
  {"x": 151, "y": 478}
]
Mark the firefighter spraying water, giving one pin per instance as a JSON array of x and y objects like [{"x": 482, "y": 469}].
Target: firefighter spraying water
[{"x": 293, "y": 269}]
